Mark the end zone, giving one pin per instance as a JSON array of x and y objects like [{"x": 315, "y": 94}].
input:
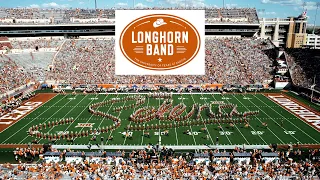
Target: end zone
[
  {"x": 26, "y": 108},
  {"x": 300, "y": 110}
]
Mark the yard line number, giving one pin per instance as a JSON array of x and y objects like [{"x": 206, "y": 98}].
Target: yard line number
[
  {"x": 225, "y": 133},
  {"x": 290, "y": 132},
  {"x": 257, "y": 132}
]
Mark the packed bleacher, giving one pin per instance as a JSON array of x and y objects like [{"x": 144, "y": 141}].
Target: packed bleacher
[
  {"x": 70, "y": 16},
  {"x": 164, "y": 164},
  {"x": 304, "y": 65},
  {"x": 35, "y": 63},
  {"x": 36, "y": 43},
  {"x": 12, "y": 76},
  {"x": 228, "y": 61},
  {"x": 232, "y": 16}
]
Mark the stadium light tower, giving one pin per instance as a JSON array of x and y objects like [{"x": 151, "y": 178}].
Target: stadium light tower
[
  {"x": 315, "y": 18},
  {"x": 312, "y": 87},
  {"x": 262, "y": 11},
  {"x": 304, "y": 5},
  {"x": 95, "y": 4}
]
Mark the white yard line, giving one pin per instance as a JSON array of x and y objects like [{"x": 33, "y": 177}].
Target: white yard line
[
  {"x": 143, "y": 123},
  {"x": 234, "y": 123},
  {"x": 107, "y": 111},
  {"x": 118, "y": 117},
  {"x": 125, "y": 138},
  {"x": 31, "y": 120},
  {"x": 191, "y": 129},
  {"x": 159, "y": 136},
  {"x": 175, "y": 130},
  {"x": 204, "y": 122},
  {"x": 267, "y": 127},
  {"x": 52, "y": 116},
  {"x": 73, "y": 107},
  {"x": 273, "y": 119},
  {"x": 222, "y": 127},
  {"x": 288, "y": 120},
  {"x": 88, "y": 119},
  {"x": 250, "y": 125}
]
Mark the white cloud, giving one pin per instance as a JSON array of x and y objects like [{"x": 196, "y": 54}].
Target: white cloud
[
  {"x": 34, "y": 6},
  {"x": 188, "y": 3},
  {"x": 283, "y": 2},
  {"x": 149, "y": 1},
  {"x": 231, "y": 5},
  {"x": 140, "y": 5},
  {"x": 54, "y": 5},
  {"x": 122, "y": 4},
  {"x": 271, "y": 13},
  {"x": 81, "y": 2},
  {"x": 309, "y": 5},
  {"x": 262, "y": 13}
]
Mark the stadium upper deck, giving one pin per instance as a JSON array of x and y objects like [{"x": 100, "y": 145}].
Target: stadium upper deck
[{"x": 23, "y": 16}]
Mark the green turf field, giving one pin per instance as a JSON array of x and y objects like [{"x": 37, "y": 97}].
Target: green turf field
[{"x": 76, "y": 106}]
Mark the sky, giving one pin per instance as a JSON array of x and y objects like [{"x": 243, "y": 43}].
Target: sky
[{"x": 266, "y": 8}]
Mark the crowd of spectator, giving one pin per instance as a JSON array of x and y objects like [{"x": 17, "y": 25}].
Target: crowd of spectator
[
  {"x": 11, "y": 75},
  {"x": 232, "y": 16},
  {"x": 90, "y": 13},
  {"x": 36, "y": 43},
  {"x": 63, "y": 16},
  {"x": 166, "y": 164},
  {"x": 228, "y": 61},
  {"x": 304, "y": 65},
  {"x": 233, "y": 61},
  {"x": 84, "y": 62}
]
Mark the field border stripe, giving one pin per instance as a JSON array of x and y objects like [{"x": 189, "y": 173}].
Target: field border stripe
[{"x": 30, "y": 111}]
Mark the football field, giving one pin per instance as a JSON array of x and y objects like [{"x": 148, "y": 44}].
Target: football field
[{"x": 283, "y": 127}]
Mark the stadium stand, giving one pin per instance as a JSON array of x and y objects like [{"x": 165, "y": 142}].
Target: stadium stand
[
  {"x": 229, "y": 61},
  {"x": 225, "y": 60},
  {"x": 34, "y": 63},
  {"x": 165, "y": 164},
  {"x": 304, "y": 65},
  {"x": 232, "y": 16},
  {"x": 11, "y": 75},
  {"x": 87, "y": 61},
  {"x": 53, "y": 16},
  {"x": 36, "y": 43}
]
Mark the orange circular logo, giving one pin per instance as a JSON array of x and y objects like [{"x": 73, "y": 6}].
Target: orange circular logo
[{"x": 160, "y": 42}]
